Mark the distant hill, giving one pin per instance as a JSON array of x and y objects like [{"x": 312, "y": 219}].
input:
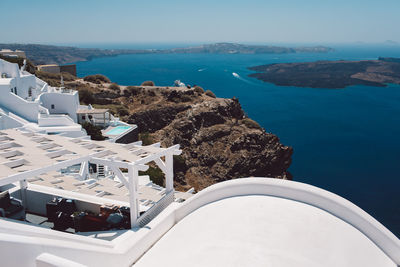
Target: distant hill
[
  {"x": 51, "y": 54},
  {"x": 234, "y": 48},
  {"x": 331, "y": 74}
]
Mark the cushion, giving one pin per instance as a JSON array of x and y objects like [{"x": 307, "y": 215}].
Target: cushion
[
  {"x": 5, "y": 200},
  {"x": 13, "y": 209}
]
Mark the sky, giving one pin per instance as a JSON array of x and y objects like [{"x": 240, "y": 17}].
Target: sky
[{"x": 205, "y": 21}]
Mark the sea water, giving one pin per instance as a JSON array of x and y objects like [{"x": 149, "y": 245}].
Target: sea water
[{"x": 345, "y": 140}]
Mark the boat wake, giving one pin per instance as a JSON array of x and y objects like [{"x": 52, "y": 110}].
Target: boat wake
[
  {"x": 200, "y": 70},
  {"x": 237, "y": 76}
]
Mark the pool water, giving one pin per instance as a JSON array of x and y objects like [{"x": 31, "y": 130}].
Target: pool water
[{"x": 118, "y": 130}]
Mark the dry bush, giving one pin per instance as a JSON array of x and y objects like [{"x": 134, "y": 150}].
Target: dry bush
[
  {"x": 97, "y": 78},
  {"x": 148, "y": 83},
  {"x": 198, "y": 89},
  {"x": 210, "y": 94},
  {"x": 251, "y": 123},
  {"x": 114, "y": 87}
]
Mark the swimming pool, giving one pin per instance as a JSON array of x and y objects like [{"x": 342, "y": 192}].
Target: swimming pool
[{"x": 118, "y": 130}]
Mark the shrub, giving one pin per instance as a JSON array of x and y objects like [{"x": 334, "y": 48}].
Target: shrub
[
  {"x": 146, "y": 138},
  {"x": 210, "y": 94},
  {"x": 93, "y": 131},
  {"x": 251, "y": 124},
  {"x": 156, "y": 175},
  {"x": 122, "y": 111},
  {"x": 86, "y": 96},
  {"x": 97, "y": 78},
  {"x": 114, "y": 87},
  {"x": 198, "y": 90},
  {"x": 148, "y": 83},
  {"x": 151, "y": 93},
  {"x": 54, "y": 79},
  {"x": 132, "y": 90},
  {"x": 114, "y": 109},
  {"x": 179, "y": 164},
  {"x": 185, "y": 98}
]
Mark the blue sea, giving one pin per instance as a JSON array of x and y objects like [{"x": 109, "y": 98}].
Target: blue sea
[{"x": 345, "y": 140}]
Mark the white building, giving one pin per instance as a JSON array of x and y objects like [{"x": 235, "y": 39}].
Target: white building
[
  {"x": 10, "y": 53},
  {"x": 243, "y": 222},
  {"x": 30, "y": 103}
]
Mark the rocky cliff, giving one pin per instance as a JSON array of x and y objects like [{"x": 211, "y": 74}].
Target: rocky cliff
[{"x": 218, "y": 141}]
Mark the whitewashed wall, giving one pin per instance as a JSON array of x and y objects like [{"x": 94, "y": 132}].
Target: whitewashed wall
[{"x": 63, "y": 103}]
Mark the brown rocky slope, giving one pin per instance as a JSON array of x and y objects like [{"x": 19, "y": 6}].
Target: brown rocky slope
[{"x": 218, "y": 141}]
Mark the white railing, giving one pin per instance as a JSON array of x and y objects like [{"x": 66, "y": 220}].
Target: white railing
[
  {"x": 43, "y": 110},
  {"x": 60, "y": 90},
  {"x": 41, "y": 85},
  {"x": 156, "y": 209}
]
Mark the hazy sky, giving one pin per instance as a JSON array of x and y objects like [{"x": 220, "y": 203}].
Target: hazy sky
[{"x": 268, "y": 21}]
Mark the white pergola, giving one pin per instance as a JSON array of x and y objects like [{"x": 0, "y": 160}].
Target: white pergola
[{"x": 25, "y": 155}]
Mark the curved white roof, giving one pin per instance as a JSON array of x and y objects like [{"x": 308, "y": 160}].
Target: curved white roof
[
  {"x": 263, "y": 231},
  {"x": 243, "y": 222}
]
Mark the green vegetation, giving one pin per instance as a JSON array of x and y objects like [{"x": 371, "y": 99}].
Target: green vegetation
[
  {"x": 115, "y": 109},
  {"x": 146, "y": 138},
  {"x": 148, "y": 83},
  {"x": 156, "y": 175},
  {"x": 93, "y": 131},
  {"x": 86, "y": 96},
  {"x": 122, "y": 111},
  {"x": 210, "y": 94},
  {"x": 251, "y": 123},
  {"x": 179, "y": 164},
  {"x": 132, "y": 90},
  {"x": 97, "y": 78},
  {"x": 114, "y": 87},
  {"x": 54, "y": 79}
]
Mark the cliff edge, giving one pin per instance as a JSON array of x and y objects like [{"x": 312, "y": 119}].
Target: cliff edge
[{"x": 218, "y": 141}]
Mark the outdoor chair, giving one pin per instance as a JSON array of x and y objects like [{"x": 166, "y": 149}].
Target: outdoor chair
[{"x": 10, "y": 207}]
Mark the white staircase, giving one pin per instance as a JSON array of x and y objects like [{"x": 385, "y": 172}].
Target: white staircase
[{"x": 100, "y": 171}]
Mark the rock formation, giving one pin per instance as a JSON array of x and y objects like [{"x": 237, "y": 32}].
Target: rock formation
[{"x": 218, "y": 141}]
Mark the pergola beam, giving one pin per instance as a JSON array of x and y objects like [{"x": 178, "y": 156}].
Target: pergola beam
[
  {"x": 110, "y": 163},
  {"x": 120, "y": 176},
  {"x": 55, "y": 167},
  {"x": 174, "y": 150},
  {"x": 29, "y": 174},
  {"x": 133, "y": 176}
]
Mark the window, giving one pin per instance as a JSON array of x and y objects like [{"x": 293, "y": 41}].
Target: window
[
  {"x": 30, "y": 92},
  {"x": 12, "y": 90},
  {"x": 83, "y": 117},
  {"x": 52, "y": 106}
]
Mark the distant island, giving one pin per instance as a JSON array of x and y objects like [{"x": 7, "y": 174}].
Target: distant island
[
  {"x": 51, "y": 54},
  {"x": 331, "y": 74},
  {"x": 234, "y": 48}
]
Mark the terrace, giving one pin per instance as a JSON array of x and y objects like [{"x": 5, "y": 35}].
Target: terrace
[{"x": 42, "y": 170}]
